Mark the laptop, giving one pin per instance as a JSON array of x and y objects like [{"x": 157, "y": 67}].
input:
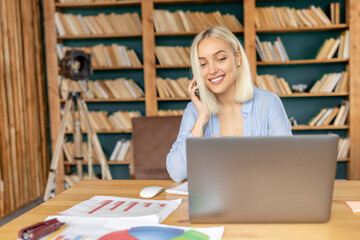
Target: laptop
[{"x": 277, "y": 179}]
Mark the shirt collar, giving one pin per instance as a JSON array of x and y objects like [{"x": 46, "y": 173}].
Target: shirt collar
[{"x": 247, "y": 107}]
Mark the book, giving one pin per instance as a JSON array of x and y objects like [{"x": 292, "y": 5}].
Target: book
[{"x": 115, "y": 151}]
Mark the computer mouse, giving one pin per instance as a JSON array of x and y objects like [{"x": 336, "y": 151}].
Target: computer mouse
[{"x": 151, "y": 191}]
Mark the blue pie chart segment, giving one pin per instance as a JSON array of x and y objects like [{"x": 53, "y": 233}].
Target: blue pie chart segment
[{"x": 154, "y": 232}]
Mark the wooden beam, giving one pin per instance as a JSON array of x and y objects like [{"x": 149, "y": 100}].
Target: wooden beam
[
  {"x": 147, "y": 8},
  {"x": 354, "y": 74},
  {"x": 53, "y": 86},
  {"x": 249, "y": 34}
]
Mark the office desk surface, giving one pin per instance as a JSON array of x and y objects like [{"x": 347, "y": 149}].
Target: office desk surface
[{"x": 342, "y": 225}]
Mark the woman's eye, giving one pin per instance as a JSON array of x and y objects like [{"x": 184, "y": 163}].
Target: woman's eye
[
  {"x": 221, "y": 59},
  {"x": 202, "y": 64}
]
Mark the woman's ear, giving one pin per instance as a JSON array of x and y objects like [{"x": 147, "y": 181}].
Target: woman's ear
[{"x": 238, "y": 59}]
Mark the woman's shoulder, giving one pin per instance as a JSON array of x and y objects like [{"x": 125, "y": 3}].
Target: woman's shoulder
[{"x": 264, "y": 95}]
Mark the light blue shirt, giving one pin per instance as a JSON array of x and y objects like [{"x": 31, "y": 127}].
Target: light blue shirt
[{"x": 264, "y": 115}]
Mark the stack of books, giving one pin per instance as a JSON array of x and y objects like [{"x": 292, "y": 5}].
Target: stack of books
[
  {"x": 120, "y": 88},
  {"x": 87, "y": 1},
  {"x": 336, "y": 116},
  {"x": 343, "y": 148},
  {"x": 121, "y": 151},
  {"x": 100, "y": 120},
  {"x": 338, "y": 48},
  {"x": 332, "y": 82},
  {"x": 269, "y": 52},
  {"x": 173, "y": 56},
  {"x": 170, "y": 88},
  {"x": 285, "y": 17},
  {"x": 170, "y": 112},
  {"x": 273, "y": 84},
  {"x": 121, "y": 120},
  {"x": 106, "y": 56},
  {"x": 180, "y": 21},
  {"x": 70, "y": 24},
  {"x": 69, "y": 149}
]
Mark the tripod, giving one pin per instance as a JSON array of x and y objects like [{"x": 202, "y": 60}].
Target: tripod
[{"x": 93, "y": 140}]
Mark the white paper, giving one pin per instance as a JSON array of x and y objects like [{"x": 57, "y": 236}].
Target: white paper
[
  {"x": 118, "y": 207},
  {"x": 108, "y": 228},
  {"x": 181, "y": 189}
]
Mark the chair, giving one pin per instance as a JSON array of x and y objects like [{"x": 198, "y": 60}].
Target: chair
[{"x": 152, "y": 138}]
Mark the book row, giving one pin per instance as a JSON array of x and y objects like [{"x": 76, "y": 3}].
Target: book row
[
  {"x": 170, "y": 112},
  {"x": 113, "y": 55},
  {"x": 269, "y": 52},
  {"x": 338, "y": 47},
  {"x": 170, "y": 88},
  {"x": 121, "y": 151},
  {"x": 284, "y": 17},
  {"x": 336, "y": 116},
  {"x": 77, "y": 25},
  {"x": 86, "y": 1},
  {"x": 173, "y": 56},
  {"x": 273, "y": 84},
  {"x": 331, "y": 48},
  {"x": 120, "y": 88},
  {"x": 332, "y": 82},
  {"x": 187, "y": 21},
  {"x": 100, "y": 120}
]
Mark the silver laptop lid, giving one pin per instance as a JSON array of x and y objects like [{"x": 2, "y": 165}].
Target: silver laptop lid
[{"x": 261, "y": 179}]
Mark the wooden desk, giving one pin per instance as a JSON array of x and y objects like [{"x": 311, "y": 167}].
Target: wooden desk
[{"x": 343, "y": 225}]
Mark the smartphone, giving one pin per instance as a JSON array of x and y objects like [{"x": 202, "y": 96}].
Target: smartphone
[{"x": 197, "y": 91}]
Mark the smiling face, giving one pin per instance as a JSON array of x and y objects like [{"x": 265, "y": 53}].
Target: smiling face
[{"x": 218, "y": 65}]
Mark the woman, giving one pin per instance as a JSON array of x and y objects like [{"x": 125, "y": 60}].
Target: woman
[{"x": 229, "y": 105}]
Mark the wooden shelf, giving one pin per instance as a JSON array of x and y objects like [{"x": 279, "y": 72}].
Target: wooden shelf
[
  {"x": 294, "y": 95},
  {"x": 174, "y": 99},
  {"x": 117, "y": 68},
  {"x": 159, "y": 34},
  {"x": 303, "y": 29},
  {"x": 97, "y": 163},
  {"x": 306, "y": 61},
  {"x": 328, "y": 127},
  {"x": 307, "y": 94},
  {"x": 117, "y": 35},
  {"x": 99, "y": 4},
  {"x": 343, "y": 159},
  {"x": 103, "y": 131},
  {"x": 112, "y": 100},
  {"x": 172, "y": 66}
]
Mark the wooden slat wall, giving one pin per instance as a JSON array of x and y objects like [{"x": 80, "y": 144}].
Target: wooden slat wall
[{"x": 23, "y": 122}]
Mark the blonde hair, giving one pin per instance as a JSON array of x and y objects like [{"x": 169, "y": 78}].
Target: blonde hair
[{"x": 244, "y": 85}]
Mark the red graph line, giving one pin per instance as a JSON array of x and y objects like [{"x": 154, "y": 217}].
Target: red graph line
[
  {"x": 131, "y": 205},
  {"x": 106, "y": 202},
  {"x": 119, "y": 203}
]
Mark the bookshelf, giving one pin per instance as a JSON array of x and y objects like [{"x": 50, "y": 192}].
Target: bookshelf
[{"x": 301, "y": 105}]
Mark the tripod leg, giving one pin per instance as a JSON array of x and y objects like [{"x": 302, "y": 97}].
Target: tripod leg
[
  {"x": 78, "y": 156},
  {"x": 57, "y": 151},
  {"x": 90, "y": 161},
  {"x": 95, "y": 140}
]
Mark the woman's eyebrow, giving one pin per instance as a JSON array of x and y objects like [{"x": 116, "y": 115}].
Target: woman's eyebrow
[{"x": 220, "y": 51}]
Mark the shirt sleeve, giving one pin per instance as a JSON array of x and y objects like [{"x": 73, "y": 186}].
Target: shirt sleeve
[
  {"x": 278, "y": 122},
  {"x": 176, "y": 159}
]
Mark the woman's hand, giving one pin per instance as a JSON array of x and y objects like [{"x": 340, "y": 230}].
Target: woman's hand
[{"x": 204, "y": 113}]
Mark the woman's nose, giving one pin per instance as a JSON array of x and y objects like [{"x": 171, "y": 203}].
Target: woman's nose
[{"x": 213, "y": 68}]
